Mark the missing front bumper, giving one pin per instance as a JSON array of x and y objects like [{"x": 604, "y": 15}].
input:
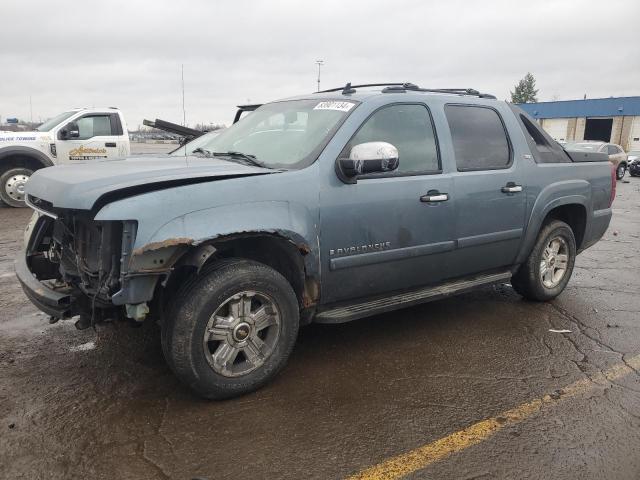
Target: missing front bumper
[{"x": 55, "y": 303}]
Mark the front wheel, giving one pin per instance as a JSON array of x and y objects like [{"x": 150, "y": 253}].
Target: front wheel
[
  {"x": 620, "y": 171},
  {"x": 12, "y": 183},
  {"x": 547, "y": 270},
  {"x": 232, "y": 329}
]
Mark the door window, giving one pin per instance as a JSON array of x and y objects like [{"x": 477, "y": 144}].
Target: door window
[
  {"x": 93, "y": 126},
  {"x": 407, "y": 127},
  {"x": 479, "y": 138}
]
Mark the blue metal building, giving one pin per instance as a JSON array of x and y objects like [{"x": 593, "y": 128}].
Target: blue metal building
[{"x": 615, "y": 119}]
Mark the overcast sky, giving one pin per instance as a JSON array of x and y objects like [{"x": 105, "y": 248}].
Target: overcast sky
[{"x": 128, "y": 54}]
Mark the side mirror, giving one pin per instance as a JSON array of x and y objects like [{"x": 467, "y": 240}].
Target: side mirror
[
  {"x": 370, "y": 157},
  {"x": 70, "y": 131}
]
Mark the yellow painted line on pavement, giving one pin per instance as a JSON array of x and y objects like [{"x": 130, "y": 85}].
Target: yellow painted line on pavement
[{"x": 409, "y": 462}]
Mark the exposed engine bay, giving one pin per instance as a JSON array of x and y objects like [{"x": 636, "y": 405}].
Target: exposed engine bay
[{"x": 75, "y": 254}]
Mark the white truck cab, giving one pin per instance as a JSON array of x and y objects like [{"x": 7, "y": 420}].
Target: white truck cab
[{"x": 76, "y": 135}]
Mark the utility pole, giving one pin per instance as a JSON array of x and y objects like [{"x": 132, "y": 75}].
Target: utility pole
[
  {"x": 30, "y": 110},
  {"x": 319, "y": 63},
  {"x": 184, "y": 112}
]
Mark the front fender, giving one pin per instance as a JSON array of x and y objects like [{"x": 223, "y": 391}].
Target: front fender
[
  {"x": 288, "y": 220},
  {"x": 567, "y": 192},
  {"x": 15, "y": 150},
  {"x": 291, "y": 221},
  {"x": 285, "y": 204}
]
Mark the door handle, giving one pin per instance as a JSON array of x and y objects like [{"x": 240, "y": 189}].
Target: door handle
[
  {"x": 110, "y": 144},
  {"x": 434, "y": 196},
  {"x": 511, "y": 187}
]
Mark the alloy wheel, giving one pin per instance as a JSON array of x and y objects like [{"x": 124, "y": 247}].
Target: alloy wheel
[
  {"x": 554, "y": 263},
  {"x": 242, "y": 333}
]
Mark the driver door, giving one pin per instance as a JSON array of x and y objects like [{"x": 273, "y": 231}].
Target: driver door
[
  {"x": 100, "y": 136},
  {"x": 381, "y": 234}
]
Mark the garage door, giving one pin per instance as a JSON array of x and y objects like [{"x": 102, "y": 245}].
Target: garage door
[
  {"x": 556, "y": 127},
  {"x": 634, "y": 137}
]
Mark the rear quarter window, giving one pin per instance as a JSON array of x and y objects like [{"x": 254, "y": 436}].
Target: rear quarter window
[{"x": 543, "y": 148}]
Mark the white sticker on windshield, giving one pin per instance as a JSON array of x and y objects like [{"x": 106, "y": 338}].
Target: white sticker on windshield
[{"x": 334, "y": 105}]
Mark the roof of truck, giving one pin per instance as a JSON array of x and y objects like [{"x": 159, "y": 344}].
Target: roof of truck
[{"x": 364, "y": 91}]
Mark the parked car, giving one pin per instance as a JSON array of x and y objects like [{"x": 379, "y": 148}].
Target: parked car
[
  {"x": 76, "y": 135},
  {"x": 616, "y": 154},
  {"x": 633, "y": 162},
  {"x": 326, "y": 207}
]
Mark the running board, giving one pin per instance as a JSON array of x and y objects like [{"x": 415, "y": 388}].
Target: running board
[{"x": 402, "y": 300}]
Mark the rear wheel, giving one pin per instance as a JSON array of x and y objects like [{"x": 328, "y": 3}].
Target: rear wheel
[
  {"x": 548, "y": 269},
  {"x": 232, "y": 329},
  {"x": 620, "y": 171},
  {"x": 12, "y": 182}
]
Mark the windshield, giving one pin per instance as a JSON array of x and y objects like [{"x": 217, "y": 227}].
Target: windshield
[
  {"x": 52, "y": 122},
  {"x": 583, "y": 147},
  {"x": 288, "y": 134},
  {"x": 189, "y": 147}
]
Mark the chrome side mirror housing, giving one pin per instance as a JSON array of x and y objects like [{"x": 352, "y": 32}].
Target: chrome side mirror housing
[{"x": 370, "y": 157}]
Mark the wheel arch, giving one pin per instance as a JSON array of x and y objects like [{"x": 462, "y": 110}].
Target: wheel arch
[
  {"x": 574, "y": 215},
  {"x": 568, "y": 201},
  {"x": 278, "y": 252},
  {"x": 292, "y": 259},
  {"x": 24, "y": 157}
]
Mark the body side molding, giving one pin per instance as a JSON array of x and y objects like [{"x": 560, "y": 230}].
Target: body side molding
[
  {"x": 390, "y": 255},
  {"x": 489, "y": 238}
]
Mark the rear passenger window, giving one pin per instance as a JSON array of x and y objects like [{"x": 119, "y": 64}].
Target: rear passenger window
[
  {"x": 409, "y": 129},
  {"x": 479, "y": 138}
]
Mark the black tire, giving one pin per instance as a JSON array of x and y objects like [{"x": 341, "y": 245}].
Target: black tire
[
  {"x": 620, "y": 171},
  {"x": 184, "y": 327},
  {"x": 527, "y": 281},
  {"x": 7, "y": 194}
]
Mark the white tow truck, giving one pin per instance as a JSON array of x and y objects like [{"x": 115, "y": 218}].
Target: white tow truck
[{"x": 76, "y": 135}]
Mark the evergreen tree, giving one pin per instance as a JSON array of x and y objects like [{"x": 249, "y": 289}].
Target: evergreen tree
[{"x": 525, "y": 90}]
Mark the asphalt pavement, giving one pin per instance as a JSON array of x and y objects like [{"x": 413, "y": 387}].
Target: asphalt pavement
[{"x": 471, "y": 387}]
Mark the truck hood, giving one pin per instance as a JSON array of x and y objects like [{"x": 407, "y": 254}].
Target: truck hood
[{"x": 80, "y": 185}]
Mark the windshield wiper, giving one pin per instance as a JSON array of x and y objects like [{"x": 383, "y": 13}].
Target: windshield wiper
[
  {"x": 250, "y": 159},
  {"x": 203, "y": 151}
]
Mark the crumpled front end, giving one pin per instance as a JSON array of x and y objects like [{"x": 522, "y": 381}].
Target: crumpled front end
[{"x": 74, "y": 265}]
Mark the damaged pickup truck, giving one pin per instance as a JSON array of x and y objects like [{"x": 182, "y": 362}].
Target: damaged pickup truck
[{"x": 326, "y": 207}]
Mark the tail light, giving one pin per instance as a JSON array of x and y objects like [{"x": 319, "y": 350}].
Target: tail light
[{"x": 614, "y": 183}]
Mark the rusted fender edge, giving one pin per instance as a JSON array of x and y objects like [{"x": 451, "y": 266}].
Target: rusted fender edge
[
  {"x": 170, "y": 242},
  {"x": 311, "y": 293}
]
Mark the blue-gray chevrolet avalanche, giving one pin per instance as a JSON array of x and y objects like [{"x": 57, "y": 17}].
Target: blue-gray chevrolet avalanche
[{"x": 326, "y": 207}]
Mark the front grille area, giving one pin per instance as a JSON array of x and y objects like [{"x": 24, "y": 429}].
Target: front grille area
[{"x": 83, "y": 253}]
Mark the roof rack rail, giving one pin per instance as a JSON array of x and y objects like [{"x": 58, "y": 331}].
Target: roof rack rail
[{"x": 403, "y": 87}]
